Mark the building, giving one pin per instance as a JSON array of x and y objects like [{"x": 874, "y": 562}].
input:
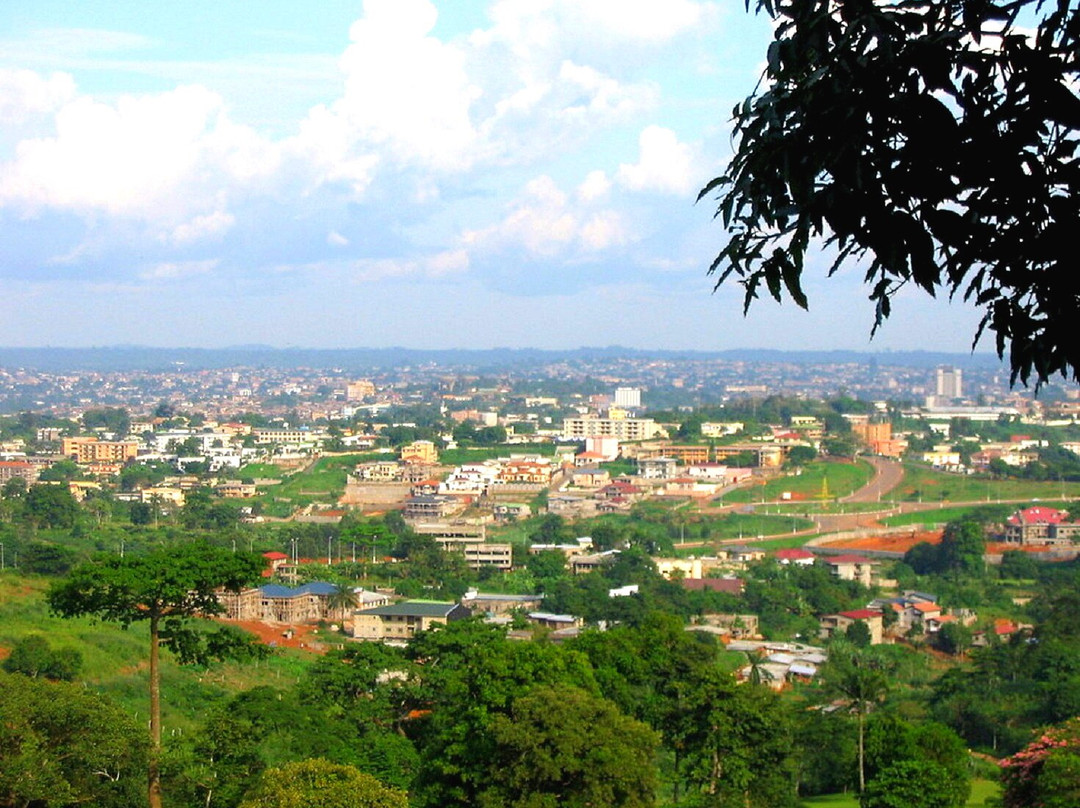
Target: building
[
  {"x": 401, "y": 621},
  {"x": 274, "y": 603},
  {"x": 1041, "y": 526},
  {"x": 628, "y": 397},
  {"x": 92, "y": 450},
  {"x": 948, "y": 383},
  {"x": 489, "y": 554},
  {"x": 622, "y": 429},
  {"x": 420, "y": 451},
  {"x": 658, "y": 468},
  {"x": 359, "y": 390},
  {"x": 10, "y": 469},
  {"x": 499, "y": 604},
  {"x": 849, "y": 567},
  {"x": 832, "y": 624}
]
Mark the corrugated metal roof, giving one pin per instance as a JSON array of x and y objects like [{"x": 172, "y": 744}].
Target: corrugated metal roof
[
  {"x": 413, "y": 608},
  {"x": 314, "y": 588}
]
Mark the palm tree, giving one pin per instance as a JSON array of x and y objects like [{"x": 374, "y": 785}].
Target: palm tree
[
  {"x": 341, "y": 601},
  {"x": 857, "y": 679}
]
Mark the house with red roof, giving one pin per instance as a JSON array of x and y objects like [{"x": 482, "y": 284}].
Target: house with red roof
[
  {"x": 1042, "y": 526},
  {"x": 795, "y": 555}
]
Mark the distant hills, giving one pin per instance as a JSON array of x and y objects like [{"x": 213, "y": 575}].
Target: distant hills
[{"x": 132, "y": 358}]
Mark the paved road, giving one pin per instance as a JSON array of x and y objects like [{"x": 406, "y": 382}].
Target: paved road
[{"x": 887, "y": 475}]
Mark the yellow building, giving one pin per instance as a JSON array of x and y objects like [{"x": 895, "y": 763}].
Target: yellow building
[
  {"x": 92, "y": 450},
  {"x": 359, "y": 390},
  {"x": 420, "y": 451}
]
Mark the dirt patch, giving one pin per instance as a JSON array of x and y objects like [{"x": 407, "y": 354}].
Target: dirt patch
[
  {"x": 304, "y": 637},
  {"x": 896, "y": 543}
]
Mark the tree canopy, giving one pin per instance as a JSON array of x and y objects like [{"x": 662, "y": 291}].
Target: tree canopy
[
  {"x": 62, "y": 745},
  {"x": 163, "y": 587},
  {"x": 931, "y": 143}
]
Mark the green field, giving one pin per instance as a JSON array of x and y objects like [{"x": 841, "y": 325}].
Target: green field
[
  {"x": 940, "y": 516},
  {"x": 929, "y": 485},
  {"x": 981, "y": 791},
  {"x": 815, "y": 481}
]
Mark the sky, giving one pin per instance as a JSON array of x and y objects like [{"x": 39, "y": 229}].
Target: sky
[{"x": 450, "y": 174}]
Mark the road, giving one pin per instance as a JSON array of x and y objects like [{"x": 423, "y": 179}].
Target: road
[{"x": 887, "y": 475}]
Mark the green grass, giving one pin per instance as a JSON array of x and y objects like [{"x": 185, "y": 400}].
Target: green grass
[
  {"x": 981, "y": 790},
  {"x": 806, "y": 506},
  {"x": 264, "y": 471},
  {"x": 837, "y": 478},
  {"x": 115, "y": 659},
  {"x": 937, "y": 515},
  {"x": 751, "y": 526},
  {"x": 933, "y": 486}
]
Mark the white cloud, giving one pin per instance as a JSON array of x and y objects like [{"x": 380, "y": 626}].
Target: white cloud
[
  {"x": 406, "y": 91},
  {"x": 603, "y": 230},
  {"x": 644, "y": 20},
  {"x": 173, "y": 270},
  {"x": 544, "y": 224},
  {"x": 156, "y": 157},
  {"x": 596, "y": 186},
  {"x": 647, "y": 21},
  {"x": 24, "y": 93},
  {"x": 664, "y": 164},
  {"x": 369, "y": 270},
  {"x": 201, "y": 228},
  {"x": 335, "y": 239}
]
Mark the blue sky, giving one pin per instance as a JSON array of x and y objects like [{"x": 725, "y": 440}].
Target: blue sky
[{"x": 392, "y": 172}]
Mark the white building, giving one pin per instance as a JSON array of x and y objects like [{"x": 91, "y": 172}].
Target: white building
[
  {"x": 629, "y": 397},
  {"x": 948, "y": 383}
]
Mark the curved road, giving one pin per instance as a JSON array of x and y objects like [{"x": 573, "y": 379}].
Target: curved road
[{"x": 887, "y": 475}]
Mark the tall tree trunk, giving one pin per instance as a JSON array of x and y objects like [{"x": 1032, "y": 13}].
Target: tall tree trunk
[
  {"x": 862, "y": 754},
  {"x": 154, "y": 767}
]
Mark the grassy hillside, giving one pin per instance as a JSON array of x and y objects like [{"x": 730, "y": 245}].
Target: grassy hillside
[{"x": 115, "y": 659}]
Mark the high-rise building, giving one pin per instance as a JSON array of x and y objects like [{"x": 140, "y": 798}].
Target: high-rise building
[
  {"x": 628, "y": 397},
  {"x": 949, "y": 383}
]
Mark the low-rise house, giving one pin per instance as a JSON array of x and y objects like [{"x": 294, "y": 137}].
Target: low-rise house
[
  {"x": 581, "y": 564},
  {"x": 658, "y": 468},
  {"x": 555, "y": 621},
  {"x": 832, "y": 624},
  {"x": 235, "y": 489},
  {"x": 401, "y": 621},
  {"x": 499, "y": 604},
  {"x": 692, "y": 487},
  {"x": 438, "y": 506},
  {"x": 850, "y": 567},
  {"x": 795, "y": 555},
  {"x": 590, "y": 477},
  {"x": 733, "y": 626},
  {"x": 732, "y": 586},
  {"x": 679, "y": 567},
  {"x": 511, "y": 511}
]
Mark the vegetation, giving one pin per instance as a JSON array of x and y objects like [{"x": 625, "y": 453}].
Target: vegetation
[
  {"x": 932, "y": 142},
  {"x": 162, "y": 588}
]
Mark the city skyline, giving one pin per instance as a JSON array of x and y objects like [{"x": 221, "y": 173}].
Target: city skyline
[{"x": 463, "y": 175}]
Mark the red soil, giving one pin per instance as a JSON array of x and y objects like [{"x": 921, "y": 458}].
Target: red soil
[
  {"x": 900, "y": 542},
  {"x": 303, "y": 636}
]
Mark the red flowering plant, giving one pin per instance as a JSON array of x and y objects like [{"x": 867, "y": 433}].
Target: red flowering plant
[{"x": 1046, "y": 772}]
